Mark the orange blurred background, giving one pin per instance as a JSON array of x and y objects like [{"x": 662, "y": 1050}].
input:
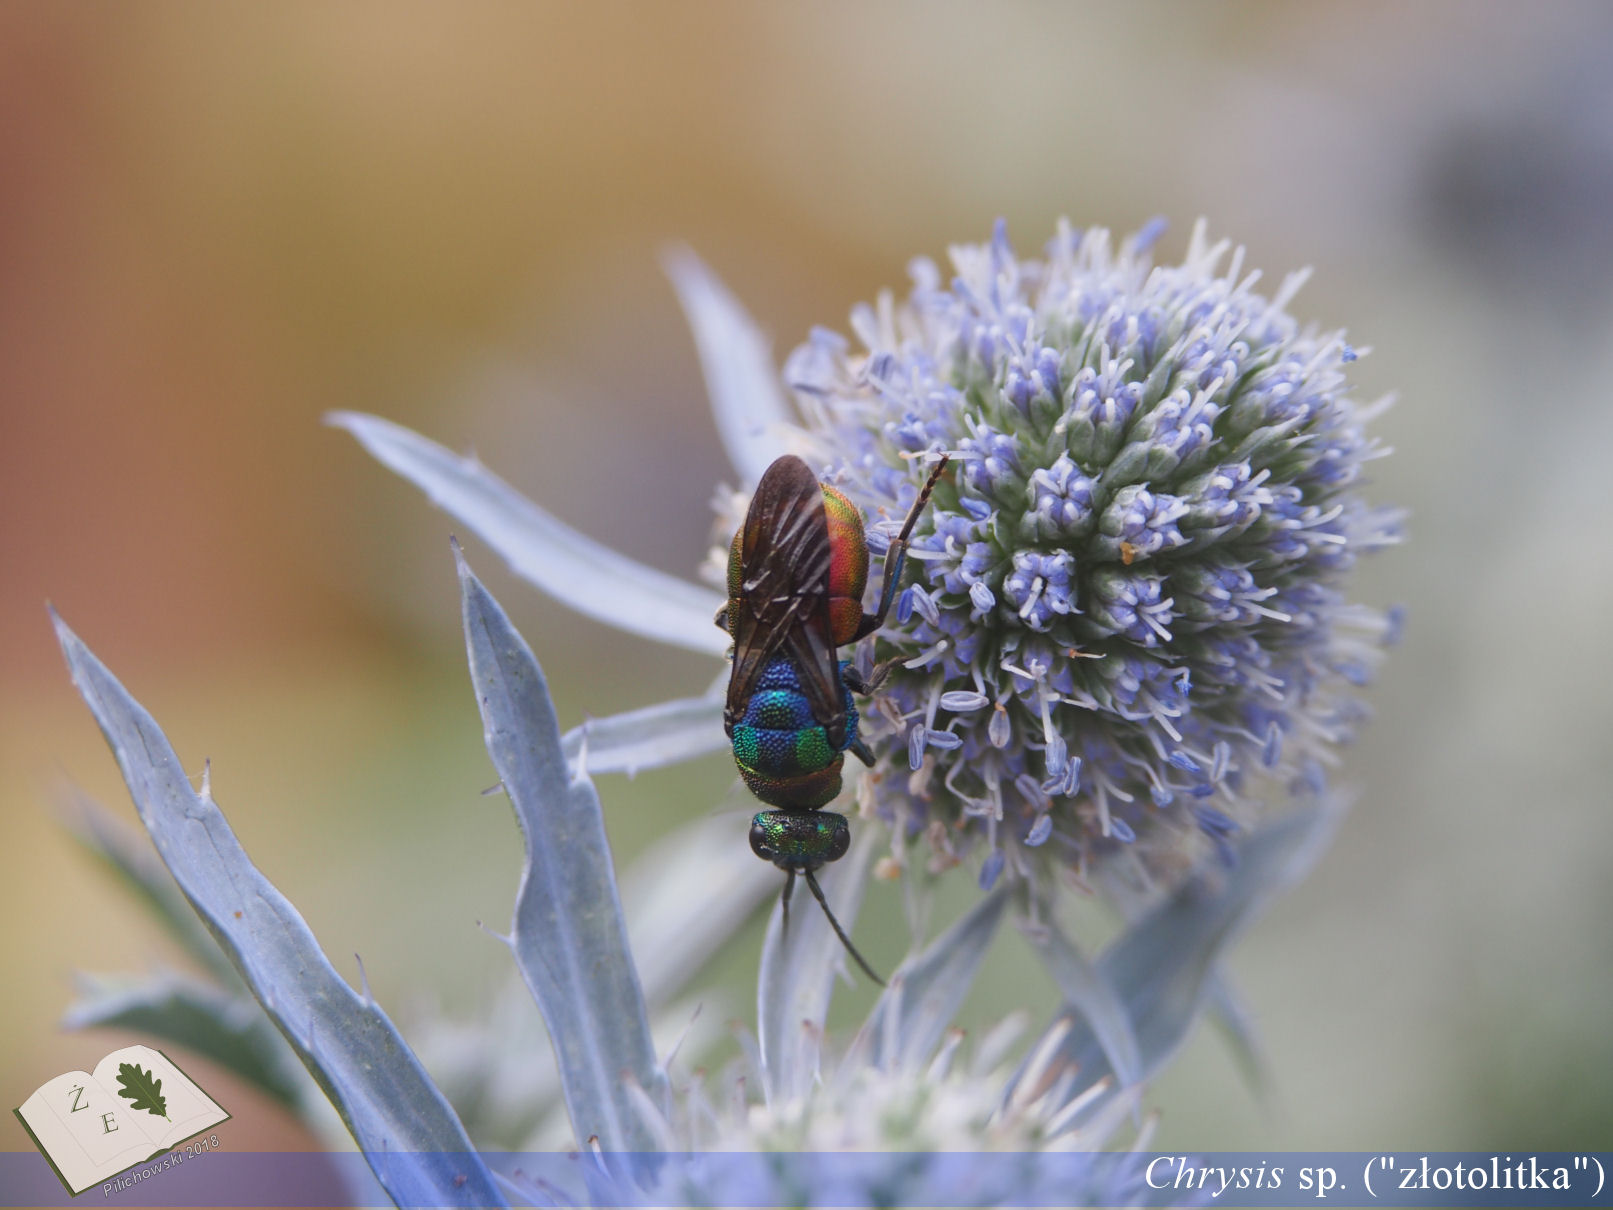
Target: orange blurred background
[{"x": 218, "y": 222}]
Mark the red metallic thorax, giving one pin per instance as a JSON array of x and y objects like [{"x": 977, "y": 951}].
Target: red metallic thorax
[{"x": 848, "y": 565}]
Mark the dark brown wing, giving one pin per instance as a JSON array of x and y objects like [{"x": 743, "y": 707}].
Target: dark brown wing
[{"x": 783, "y": 596}]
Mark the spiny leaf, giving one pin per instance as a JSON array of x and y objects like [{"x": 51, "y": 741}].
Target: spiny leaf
[
  {"x": 569, "y": 939},
  {"x": 797, "y": 976},
  {"x": 142, "y": 1089},
  {"x": 570, "y": 566},
  {"x": 130, "y": 855},
  {"x": 1162, "y": 968},
  {"x": 410, "y": 1136},
  {"x": 649, "y": 738}
]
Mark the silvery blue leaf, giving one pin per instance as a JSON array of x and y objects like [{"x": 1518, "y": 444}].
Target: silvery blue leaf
[
  {"x": 1237, "y": 1024},
  {"x": 227, "y": 1029},
  {"x": 683, "y": 897},
  {"x": 747, "y": 397},
  {"x": 650, "y": 738},
  {"x": 408, "y": 1132},
  {"x": 798, "y": 972},
  {"x": 568, "y": 936},
  {"x": 1086, "y": 990},
  {"x": 927, "y": 990},
  {"x": 1162, "y": 967},
  {"x": 586, "y": 575},
  {"x": 688, "y": 895},
  {"x": 495, "y": 1065},
  {"x": 136, "y": 863}
]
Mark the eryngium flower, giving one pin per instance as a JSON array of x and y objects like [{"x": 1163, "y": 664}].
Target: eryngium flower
[{"x": 1129, "y": 597}]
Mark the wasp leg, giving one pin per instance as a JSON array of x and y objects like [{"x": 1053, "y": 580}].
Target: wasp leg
[
  {"x": 851, "y": 949},
  {"x": 784, "y": 900},
  {"x": 861, "y": 752},
  {"x": 855, "y": 681},
  {"x": 896, "y": 555}
]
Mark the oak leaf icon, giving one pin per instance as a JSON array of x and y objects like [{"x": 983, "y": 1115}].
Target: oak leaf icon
[{"x": 142, "y": 1089}]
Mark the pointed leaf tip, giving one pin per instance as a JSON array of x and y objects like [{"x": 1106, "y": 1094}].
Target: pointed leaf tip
[
  {"x": 64, "y": 633},
  {"x": 565, "y": 563},
  {"x": 747, "y": 394}
]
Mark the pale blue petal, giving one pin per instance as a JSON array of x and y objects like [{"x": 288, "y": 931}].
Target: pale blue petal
[
  {"x": 568, "y": 937},
  {"x": 798, "y": 972},
  {"x": 747, "y": 396},
  {"x": 650, "y": 738},
  {"x": 574, "y": 569},
  {"x": 926, "y": 992},
  {"x": 408, "y": 1132}
]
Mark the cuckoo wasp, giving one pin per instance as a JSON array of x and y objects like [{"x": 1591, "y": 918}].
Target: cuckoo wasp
[{"x": 796, "y": 574}]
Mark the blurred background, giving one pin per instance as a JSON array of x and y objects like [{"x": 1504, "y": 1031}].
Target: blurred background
[{"x": 219, "y": 221}]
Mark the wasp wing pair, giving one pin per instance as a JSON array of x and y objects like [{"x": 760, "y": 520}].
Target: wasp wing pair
[
  {"x": 782, "y": 599},
  {"x": 791, "y": 576}
]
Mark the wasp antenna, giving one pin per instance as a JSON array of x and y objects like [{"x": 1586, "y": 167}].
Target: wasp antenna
[
  {"x": 922, "y": 499},
  {"x": 851, "y": 949},
  {"x": 896, "y": 555},
  {"x": 784, "y": 902}
]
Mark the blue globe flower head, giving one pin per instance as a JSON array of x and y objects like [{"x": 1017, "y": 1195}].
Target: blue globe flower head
[
  {"x": 1124, "y": 623},
  {"x": 1128, "y": 615}
]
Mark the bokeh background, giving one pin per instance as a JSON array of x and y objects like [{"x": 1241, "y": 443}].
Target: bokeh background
[{"x": 219, "y": 221}]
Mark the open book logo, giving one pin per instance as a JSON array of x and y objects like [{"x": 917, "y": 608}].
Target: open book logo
[{"x": 134, "y": 1107}]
